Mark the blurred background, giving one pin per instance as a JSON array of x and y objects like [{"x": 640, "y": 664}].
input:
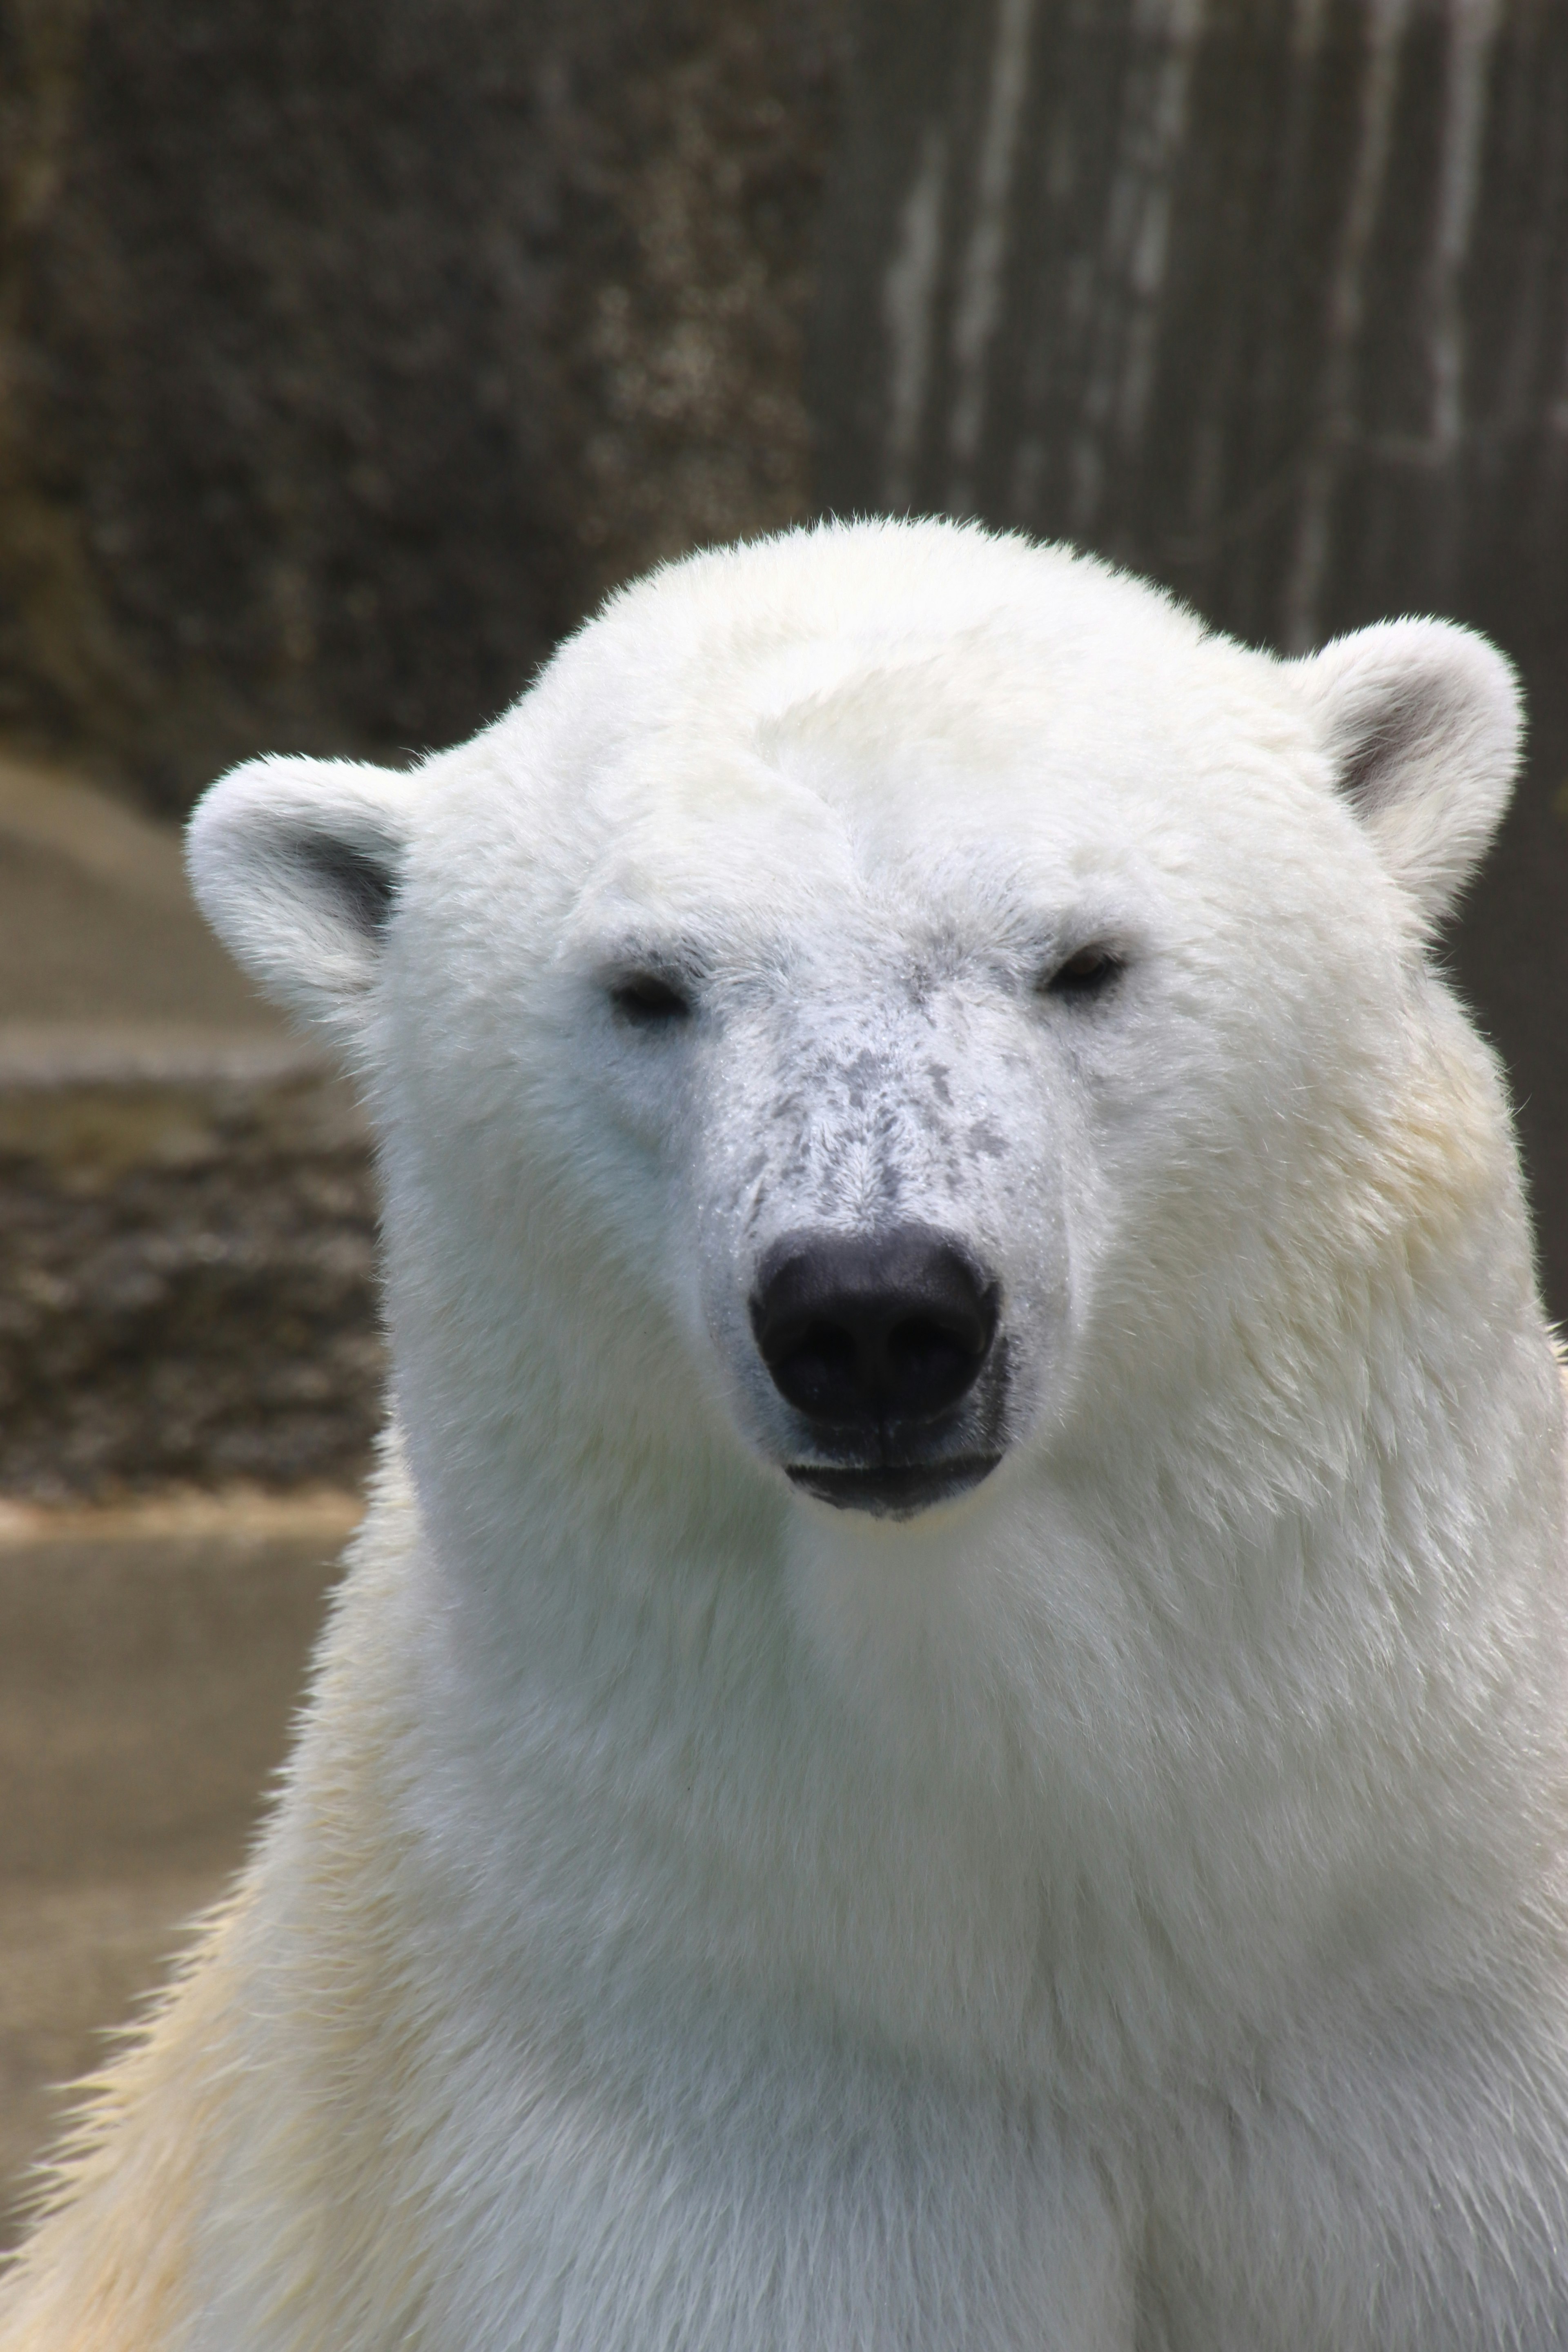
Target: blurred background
[{"x": 348, "y": 355}]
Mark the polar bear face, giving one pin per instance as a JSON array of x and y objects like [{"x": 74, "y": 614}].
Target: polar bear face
[{"x": 888, "y": 1003}]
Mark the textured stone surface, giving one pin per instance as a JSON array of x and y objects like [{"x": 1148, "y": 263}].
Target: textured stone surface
[
  {"x": 187, "y": 1219},
  {"x": 1267, "y": 301},
  {"x": 187, "y": 1277},
  {"x": 347, "y": 353}
]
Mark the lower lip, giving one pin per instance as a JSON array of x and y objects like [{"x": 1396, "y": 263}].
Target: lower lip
[{"x": 891, "y": 1494}]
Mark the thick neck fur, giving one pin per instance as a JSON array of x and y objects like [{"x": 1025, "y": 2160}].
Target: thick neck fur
[{"x": 1119, "y": 1740}]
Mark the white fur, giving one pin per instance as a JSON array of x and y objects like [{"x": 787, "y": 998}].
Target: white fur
[{"x": 1122, "y": 1908}]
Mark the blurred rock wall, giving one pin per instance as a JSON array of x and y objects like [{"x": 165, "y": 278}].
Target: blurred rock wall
[
  {"x": 187, "y": 1277},
  {"x": 348, "y": 351}
]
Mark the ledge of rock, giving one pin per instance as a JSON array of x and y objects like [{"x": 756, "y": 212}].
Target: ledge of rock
[
  {"x": 187, "y": 1221},
  {"x": 187, "y": 1285}
]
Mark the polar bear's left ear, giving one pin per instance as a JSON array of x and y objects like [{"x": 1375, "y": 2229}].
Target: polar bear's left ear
[
  {"x": 295, "y": 864},
  {"x": 1424, "y": 723}
]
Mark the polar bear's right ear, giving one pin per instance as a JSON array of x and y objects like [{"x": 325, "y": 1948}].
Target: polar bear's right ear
[
  {"x": 295, "y": 863},
  {"x": 1424, "y": 723}
]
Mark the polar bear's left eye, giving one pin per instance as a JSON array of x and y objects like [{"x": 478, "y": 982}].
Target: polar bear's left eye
[
  {"x": 649, "y": 999},
  {"x": 1085, "y": 973}
]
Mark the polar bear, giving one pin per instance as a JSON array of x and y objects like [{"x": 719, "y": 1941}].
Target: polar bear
[{"x": 947, "y": 1727}]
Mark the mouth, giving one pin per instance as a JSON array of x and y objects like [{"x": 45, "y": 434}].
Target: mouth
[{"x": 891, "y": 1494}]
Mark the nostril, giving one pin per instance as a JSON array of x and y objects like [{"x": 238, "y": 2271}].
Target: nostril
[
  {"x": 922, "y": 1358},
  {"x": 818, "y": 1372},
  {"x": 864, "y": 1330}
]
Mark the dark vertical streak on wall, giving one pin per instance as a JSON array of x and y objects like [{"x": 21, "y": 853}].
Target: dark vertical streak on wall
[{"x": 1283, "y": 323}]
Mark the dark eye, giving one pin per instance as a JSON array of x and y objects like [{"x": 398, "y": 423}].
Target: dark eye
[
  {"x": 649, "y": 999},
  {"x": 1084, "y": 974}
]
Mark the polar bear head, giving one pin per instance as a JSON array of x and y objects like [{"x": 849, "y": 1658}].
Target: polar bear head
[{"x": 892, "y": 1012}]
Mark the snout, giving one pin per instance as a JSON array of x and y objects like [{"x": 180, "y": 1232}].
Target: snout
[{"x": 885, "y": 1347}]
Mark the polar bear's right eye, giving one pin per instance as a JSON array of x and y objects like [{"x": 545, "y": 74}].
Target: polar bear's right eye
[{"x": 650, "y": 1000}]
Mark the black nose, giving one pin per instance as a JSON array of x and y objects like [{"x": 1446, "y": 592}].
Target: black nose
[{"x": 860, "y": 1331}]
